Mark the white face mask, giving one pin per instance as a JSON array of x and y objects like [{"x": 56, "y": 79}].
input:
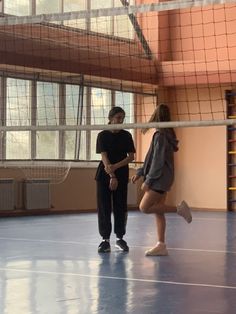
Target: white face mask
[{"x": 118, "y": 118}]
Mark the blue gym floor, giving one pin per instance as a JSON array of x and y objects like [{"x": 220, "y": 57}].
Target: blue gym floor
[{"x": 50, "y": 265}]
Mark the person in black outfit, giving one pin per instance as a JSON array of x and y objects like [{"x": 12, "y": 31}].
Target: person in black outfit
[{"x": 117, "y": 151}]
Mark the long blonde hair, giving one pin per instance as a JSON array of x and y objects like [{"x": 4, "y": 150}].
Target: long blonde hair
[{"x": 160, "y": 114}]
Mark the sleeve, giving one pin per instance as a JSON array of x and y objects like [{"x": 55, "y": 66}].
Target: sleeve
[
  {"x": 101, "y": 143},
  {"x": 158, "y": 159},
  {"x": 130, "y": 144},
  {"x": 139, "y": 172}
]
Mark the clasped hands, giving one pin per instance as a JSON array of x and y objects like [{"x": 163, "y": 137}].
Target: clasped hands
[{"x": 110, "y": 169}]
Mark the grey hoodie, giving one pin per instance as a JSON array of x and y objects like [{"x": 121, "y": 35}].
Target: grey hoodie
[{"x": 158, "y": 167}]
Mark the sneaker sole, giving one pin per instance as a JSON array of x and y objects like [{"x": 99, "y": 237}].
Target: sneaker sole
[
  {"x": 157, "y": 254},
  {"x": 105, "y": 251},
  {"x": 120, "y": 249},
  {"x": 185, "y": 212}
]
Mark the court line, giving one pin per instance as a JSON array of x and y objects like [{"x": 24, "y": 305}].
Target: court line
[
  {"x": 74, "y": 220},
  {"x": 75, "y": 223},
  {"x": 119, "y": 278},
  {"x": 131, "y": 246}
]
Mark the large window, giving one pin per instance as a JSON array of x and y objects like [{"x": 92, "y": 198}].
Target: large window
[
  {"x": 45, "y": 104},
  {"x": 29, "y": 102},
  {"x": 118, "y": 25}
]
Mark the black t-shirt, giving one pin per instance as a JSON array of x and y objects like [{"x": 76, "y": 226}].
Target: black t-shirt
[{"x": 116, "y": 145}]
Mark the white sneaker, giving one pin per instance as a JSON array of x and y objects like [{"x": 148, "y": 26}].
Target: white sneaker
[
  {"x": 158, "y": 250},
  {"x": 184, "y": 211}
]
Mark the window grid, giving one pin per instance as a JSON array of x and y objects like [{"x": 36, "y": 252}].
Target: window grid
[
  {"x": 59, "y": 5},
  {"x": 88, "y": 153}
]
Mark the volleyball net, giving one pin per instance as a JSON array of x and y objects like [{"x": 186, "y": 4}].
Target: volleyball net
[{"x": 61, "y": 73}]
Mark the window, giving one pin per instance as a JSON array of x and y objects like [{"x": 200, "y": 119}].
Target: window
[
  {"x": 47, "y": 142},
  {"x": 118, "y": 25},
  {"x": 100, "y": 107},
  {"x": 17, "y": 114},
  {"x": 47, "y": 103},
  {"x": 17, "y": 145},
  {"x": 126, "y": 101},
  {"x": 17, "y": 7},
  {"x": 17, "y": 102},
  {"x": 122, "y": 24},
  {"x": 101, "y": 24},
  {"x": 57, "y": 104},
  {"x": 47, "y": 145},
  {"x": 76, "y": 109},
  {"x": 75, "y": 5},
  {"x": 29, "y": 102},
  {"x": 46, "y": 7}
]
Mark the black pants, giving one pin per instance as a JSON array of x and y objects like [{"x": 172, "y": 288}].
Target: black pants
[{"x": 107, "y": 201}]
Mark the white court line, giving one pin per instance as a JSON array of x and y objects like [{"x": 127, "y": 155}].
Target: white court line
[
  {"x": 118, "y": 278},
  {"x": 225, "y": 219},
  {"x": 191, "y": 250},
  {"x": 34, "y": 224},
  {"x": 131, "y": 246},
  {"x": 46, "y": 241},
  {"x": 74, "y": 221}
]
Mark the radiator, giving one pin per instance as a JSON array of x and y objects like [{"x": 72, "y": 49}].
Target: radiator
[
  {"x": 7, "y": 194},
  {"x": 37, "y": 194}
]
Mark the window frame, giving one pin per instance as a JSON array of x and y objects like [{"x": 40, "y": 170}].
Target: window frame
[
  {"x": 62, "y": 101},
  {"x": 62, "y": 117}
]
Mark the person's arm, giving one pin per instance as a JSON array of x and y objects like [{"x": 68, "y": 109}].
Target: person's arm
[
  {"x": 113, "y": 180},
  {"x": 111, "y": 168},
  {"x": 107, "y": 164},
  {"x": 158, "y": 159}
]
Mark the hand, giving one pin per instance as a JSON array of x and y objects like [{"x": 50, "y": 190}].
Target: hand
[
  {"x": 113, "y": 184},
  {"x": 135, "y": 178},
  {"x": 144, "y": 187},
  {"x": 109, "y": 169}
]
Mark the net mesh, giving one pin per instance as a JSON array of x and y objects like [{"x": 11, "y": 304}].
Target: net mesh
[{"x": 62, "y": 72}]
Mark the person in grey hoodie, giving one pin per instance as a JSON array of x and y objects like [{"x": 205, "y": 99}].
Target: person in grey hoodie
[{"x": 158, "y": 176}]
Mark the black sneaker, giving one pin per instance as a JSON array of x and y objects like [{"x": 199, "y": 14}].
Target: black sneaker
[
  {"x": 104, "y": 247},
  {"x": 122, "y": 245}
]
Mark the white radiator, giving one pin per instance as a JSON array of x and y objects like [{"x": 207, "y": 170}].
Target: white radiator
[
  {"x": 7, "y": 194},
  {"x": 37, "y": 194}
]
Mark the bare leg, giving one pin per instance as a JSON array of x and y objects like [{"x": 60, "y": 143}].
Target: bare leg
[
  {"x": 161, "y": 222},
  {"x": 161, "y": 227},
  {"x": 153, "y": 203},
  {"x": 160, "y": 248},
  {"x": 156, "y": 201}
]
